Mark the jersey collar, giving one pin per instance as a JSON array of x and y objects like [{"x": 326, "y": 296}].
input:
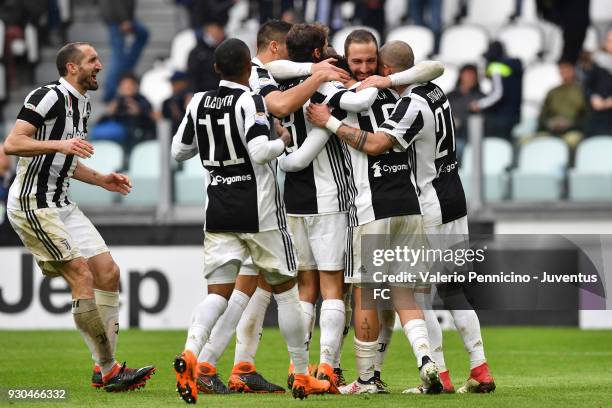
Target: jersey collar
[
  {"x": 233, "y": 85},
  {"x": 72, "y": 89},
  {"x": 257, "y": 62},
  {"x": 409, "y": 89}
]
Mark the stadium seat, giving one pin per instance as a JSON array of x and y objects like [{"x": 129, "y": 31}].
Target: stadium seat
[
  {"x": 144, "y": 171},
  {"x": 338, "y": 40},
  {"x": 591, "y": 179},
  {"x": 496, "y": 158},
  {"x": 523, "y": 41},
  {"x": 181, "y": 46},
  {"x": 155, "y": 85},
  {"x": 108, "y": 158},
  {"x": 421, "y": 39},
  {"x": 541, "y": 170},
  {"x": 592, "y": 42},
  {"x": 462, "y": 44},
  {"x": 448, "y": 80},
  {"x": 600, "y": 11},
  {"x": 492, "y": 13},
  {"x": 538, "y": 80},
  {"x": 190, "y": 183}
]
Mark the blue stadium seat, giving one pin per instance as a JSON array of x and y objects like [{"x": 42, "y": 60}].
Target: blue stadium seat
[
  {"x": 190, "y": 183},
  {"x": 496, "y": 158},
  {"x": 107, "y": 158},
  {"x": 591, "y": 179},
  {"x": 541, "y": 170},
  {"x": 144, "y": 171}
]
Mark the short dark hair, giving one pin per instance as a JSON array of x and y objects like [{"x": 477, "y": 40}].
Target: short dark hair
[
  {"x": 273, "y": 30},
  {"x": 68, "y": 53},
  {"x": 232, "y": 56},
  {"x": 359, "y": 36},
  {"x": 303, "y": 39}
]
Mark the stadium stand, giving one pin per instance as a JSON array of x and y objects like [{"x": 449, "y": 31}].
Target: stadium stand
[
  {"x": 108, "y": 158},
  {"x": 189, "y": 184},
  {"x": 452, "y": 44},
  {"x": 523, "y": 41},
  {"x": 497, "y": 157},
  {"x": 591, "y": 178},
  {"x": 421, "y": 39},
  {"x": 538, "y": 80},
  {"x": 541, "y": 168},
  {"x": 144, "y": 171}
]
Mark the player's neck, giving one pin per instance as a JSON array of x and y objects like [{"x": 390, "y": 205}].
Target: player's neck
[
  {"x": 266, "y": 57},
  {"x": 72, "y": 81},
  {"x": 237, "y": 80},
  {"x": 400, "y": 89}
]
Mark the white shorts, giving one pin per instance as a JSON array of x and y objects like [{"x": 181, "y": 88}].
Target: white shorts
[
  {"x": 272, "y": 253},
  {"x": 319, "y": 240},
  {"x": 405, "y": 231},
  {"x": 449, "y": 235},
  {"x": 57, "y": 235}
]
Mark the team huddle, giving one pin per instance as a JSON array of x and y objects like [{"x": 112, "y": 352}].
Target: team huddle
[
  {"x": 306, "y": 153},
  {"x": 332, "y": 126}
]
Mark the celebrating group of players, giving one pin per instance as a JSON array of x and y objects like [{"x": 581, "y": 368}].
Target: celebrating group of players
[{"x": 366, "y": 146}]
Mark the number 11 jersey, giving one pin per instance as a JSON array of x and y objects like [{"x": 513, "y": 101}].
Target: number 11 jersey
[{"x": 242, "y": 196}]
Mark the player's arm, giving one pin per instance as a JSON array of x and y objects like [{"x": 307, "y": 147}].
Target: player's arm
[
  {"x": 41, "y": 105},
  {"x": 284, "y": 69},
  {"x": 21, "y": 142},
  {"x": 282, "y": 104},
  {"x": 184, "y": 144},
  {"x": 257, "y": 132},
  {"x": 400, "y": 129},
  {"x": 116, "y": 182},
  {"x": 313, "y": 144},
  {"x": 422, "y": 72}
]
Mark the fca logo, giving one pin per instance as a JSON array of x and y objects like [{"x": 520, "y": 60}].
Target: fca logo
[{"x": 377, "y": 169}]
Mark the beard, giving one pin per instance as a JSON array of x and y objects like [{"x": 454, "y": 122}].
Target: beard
[{"x": 87, "y": 82}]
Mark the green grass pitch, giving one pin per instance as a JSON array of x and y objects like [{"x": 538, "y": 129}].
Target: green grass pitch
[{"x": 533, "y": 367}]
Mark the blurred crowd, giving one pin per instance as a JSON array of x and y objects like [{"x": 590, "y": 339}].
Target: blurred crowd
[{"x": 581, "y": 106}]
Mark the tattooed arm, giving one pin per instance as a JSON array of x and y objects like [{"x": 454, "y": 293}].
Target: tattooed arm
[{"x": 372, "y": 143}]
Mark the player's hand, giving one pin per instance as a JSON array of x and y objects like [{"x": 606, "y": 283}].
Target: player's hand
[
  {"x": 474, "y": 107},
  {"x": 116, "y": 182},
  {"x": 318, "y": 114},
  {"x": 330, "y": 72},
  {"x": 77, "y": 147},
  {"x": 375, "y": 81},
  {"x": 285, "y": 136}
]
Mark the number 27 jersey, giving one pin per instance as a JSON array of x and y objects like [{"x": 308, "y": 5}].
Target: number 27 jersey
[{"x": 242, "y": 195}]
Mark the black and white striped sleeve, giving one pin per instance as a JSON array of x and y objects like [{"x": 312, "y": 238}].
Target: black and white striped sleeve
[
  {"x": 184, "y": 142},
  {"x": 256, "y": 121},
  {"x": 261, "y": 82},
  {"x": 257, "y": 130},
  {"x": 39, "y": 106},
  {"x": 405, "y": 122}
]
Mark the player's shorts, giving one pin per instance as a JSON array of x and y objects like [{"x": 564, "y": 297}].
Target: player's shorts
[
  {"x": 448, "y": 235},
  {"x": 272, "y": 254},
  {"x": 55, "y": 235},
  {"x": 404, "y": 231},
  {"x": 319, "y": 241}
]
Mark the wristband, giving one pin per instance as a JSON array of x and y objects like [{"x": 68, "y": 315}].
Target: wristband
[{"x": 333, "y": 124}]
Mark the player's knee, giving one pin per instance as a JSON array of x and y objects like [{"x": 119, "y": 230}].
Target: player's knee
[{"x": 113, "y": 275}]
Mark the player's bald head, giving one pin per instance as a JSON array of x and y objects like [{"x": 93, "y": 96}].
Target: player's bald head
[{"x": 397, "y": 55}]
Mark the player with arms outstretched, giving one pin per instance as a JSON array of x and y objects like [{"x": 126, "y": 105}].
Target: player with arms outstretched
[{"x": 49, "y": 138}]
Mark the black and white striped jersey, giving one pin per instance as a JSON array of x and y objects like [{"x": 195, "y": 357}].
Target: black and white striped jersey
[
  {"x": 261, "y": 81},
  {"x": 321, "y": 187},
  {"x": 422, "y": 123},
  {"x": 242, "y": 195},
  {"x": 379, "y": 186},
  {"x": 59, "y": 112}
]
